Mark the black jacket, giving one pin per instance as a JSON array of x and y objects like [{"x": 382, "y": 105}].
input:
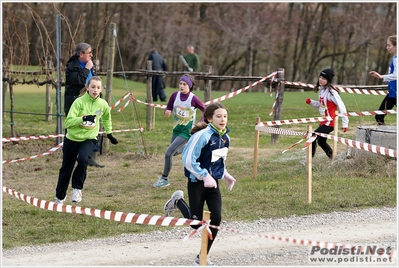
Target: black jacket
[{"x": 75, "y": 81}]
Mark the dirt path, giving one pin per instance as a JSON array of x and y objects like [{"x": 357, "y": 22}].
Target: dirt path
[{"x": 230, "y": 248}]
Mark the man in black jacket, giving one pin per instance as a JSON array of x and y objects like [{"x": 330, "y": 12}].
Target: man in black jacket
[
  {"x": 158, "y": 64},
  {"x": 79, "y": 69}
]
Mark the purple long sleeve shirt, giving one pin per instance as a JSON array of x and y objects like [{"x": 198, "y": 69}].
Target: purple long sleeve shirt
[{"x": 196, "y": 102}]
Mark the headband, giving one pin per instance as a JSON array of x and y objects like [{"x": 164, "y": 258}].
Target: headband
[{"x": 188, "y": 81}]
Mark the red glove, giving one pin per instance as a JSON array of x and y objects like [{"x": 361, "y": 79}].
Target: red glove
[
  {"x": 344, "y": 129},
  {"x": 230, "y": 180},
  {"x": 308, "y": 101},
  {"x": 209, "y": 182}
]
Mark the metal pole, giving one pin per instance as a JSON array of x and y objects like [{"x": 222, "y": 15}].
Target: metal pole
[
  {"x": 58, "y": 92},
  {"x": 110, "y": 70}
]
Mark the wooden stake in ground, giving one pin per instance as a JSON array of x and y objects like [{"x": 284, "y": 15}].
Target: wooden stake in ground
[
  {"x": 309, "y": 169},
  {"x": 334, "y": 152},
  {"x": 255, "y": 168},
  {"x": 206, "y": 215}
]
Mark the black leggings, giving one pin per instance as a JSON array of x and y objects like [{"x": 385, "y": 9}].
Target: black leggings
[
  {"x": 322, "y": 141},
  {"x": 386, "y": 104},
  {"x": 197, "y": 195}
]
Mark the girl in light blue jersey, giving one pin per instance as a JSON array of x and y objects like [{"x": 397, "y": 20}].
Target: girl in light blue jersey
[{"x": 204, "y": 160}]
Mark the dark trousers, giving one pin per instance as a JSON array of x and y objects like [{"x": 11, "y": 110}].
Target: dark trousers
[
  {"x": 387, "y": 104},
  {"x": 74, "y": 152},
  {"x": 158, "y": 88},
  {"x": 322, "y": 141},
  {"x": 198, "y": 195}
]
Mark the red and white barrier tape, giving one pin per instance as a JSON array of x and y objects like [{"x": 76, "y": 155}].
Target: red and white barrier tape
[
  {"x": 235, "y": 93},
  {"x": 61, "y": 135},
  {"x": 230, "y": 95},
  {"x": 343, "y": 89},
  {"x": 126, "y": 104},
  {"x": 361, "y": 91},
  {"x": 304, "y": 242},
  {"x": 296, "y": 121},
  {"x": 31, "y": 138},
  {"x": 160, "y": 221},
  {"x": 351, "y": 143},
  {"x": 275, "y": 100},
  {"x": 120, "y": 100},
  {"x": 368, "y": 113},
  {"x": 357, "y": 144},
  {"x": 274, "y": 130},
  {"x": 52, "y": 150},
  {"x": 104, "y": 214}
]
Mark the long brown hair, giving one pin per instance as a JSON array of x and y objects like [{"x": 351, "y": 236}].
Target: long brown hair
[{"x": 208, "y": 114}]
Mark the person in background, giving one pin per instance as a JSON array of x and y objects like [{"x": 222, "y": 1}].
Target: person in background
[
  {"x": 79, "y": 69},
  {"x": 390, "y": 99},
  {"x": 204, "y": 160},
  {"x": 158, "y": 86},
  {"x": 192, "y": 60},
  {"x": 328, "y": 102},
  {"x": 82, "y": 123},
  {"x": 183, "y": 105}
]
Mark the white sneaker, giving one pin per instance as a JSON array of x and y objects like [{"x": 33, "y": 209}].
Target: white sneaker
[
  {"x": 197, "y": 262},
  {"x": 171, "y": 204},
  {"x": 59, "y": 201},
  {"x": 76, "y": 195}
]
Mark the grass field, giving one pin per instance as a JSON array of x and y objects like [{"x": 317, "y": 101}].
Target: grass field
[{"x": 125, "y": 184}]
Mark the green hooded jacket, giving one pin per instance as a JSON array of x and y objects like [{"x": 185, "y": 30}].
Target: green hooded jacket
[{"x": 79, "y": 130}]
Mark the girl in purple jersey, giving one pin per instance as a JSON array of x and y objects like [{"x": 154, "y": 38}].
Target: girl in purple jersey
[{"x": 182, "y": 104}]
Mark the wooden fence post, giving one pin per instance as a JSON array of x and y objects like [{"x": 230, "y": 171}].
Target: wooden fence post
[
  {"x": 206, "y": 215},
  {"x": 279, "y": 101},
  {"x": 309, "y": 169},
  {"x": 256, "y": 145},
  {"x": 149, "y": 97},
  {"x": 5, "y": 86},
  {"x": 208, "y": 85},
  {"x": 336, "y": 121}
]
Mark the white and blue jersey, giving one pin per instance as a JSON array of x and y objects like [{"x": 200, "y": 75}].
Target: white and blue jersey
[{"x": 205, "y": 153}]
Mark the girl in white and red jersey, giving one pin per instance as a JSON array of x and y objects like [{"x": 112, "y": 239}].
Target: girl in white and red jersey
[{"x": 328, "y": 102}]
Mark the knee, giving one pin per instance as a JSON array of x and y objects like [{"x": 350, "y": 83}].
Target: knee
[
  {"x": 82, "y": 160},
  {"x": 216, "y": 219}
]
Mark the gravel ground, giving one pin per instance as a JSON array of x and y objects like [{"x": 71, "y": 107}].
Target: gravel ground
[{"x": 248, "y": 245}]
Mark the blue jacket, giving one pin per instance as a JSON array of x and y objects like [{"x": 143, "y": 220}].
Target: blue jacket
[{"x": 205, "y": 153}]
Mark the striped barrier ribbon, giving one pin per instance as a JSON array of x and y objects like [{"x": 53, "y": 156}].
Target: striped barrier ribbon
[
  {"x": 31, "y": 138},
  {"x": 320, "y": 119},
  {"x": 61, "y": 135},
  {"x": 235, "y": 93},
  {"x": 274, "y": 130},
  {"x": 52, "y": 150},
  {"x": 368, "y": 113},
  {"x": 104, "y": 214},
  {"x": 126, "y": 104},
  {"x": 120, "y": 100},
  {"x": 342, "y": 89},
  {"x": 357, "y": 144},
  {"x": 146, "y": 219},
  {"x": 305, "y": 242},
  {"x": 227, "y": 96}
]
